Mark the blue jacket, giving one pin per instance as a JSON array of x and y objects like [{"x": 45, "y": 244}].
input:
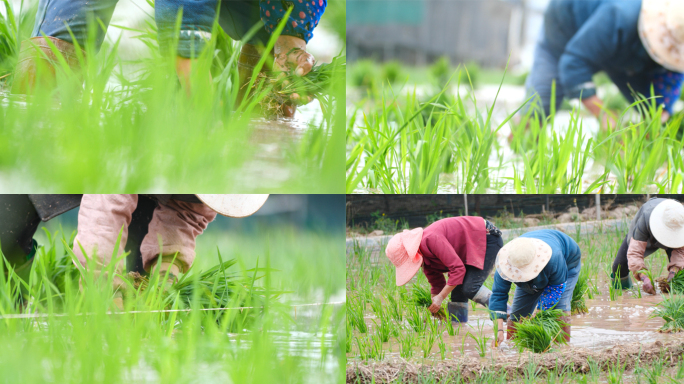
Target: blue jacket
[
  {"x": 565, "y": 255},
  {"x": 588, "y": 36}
]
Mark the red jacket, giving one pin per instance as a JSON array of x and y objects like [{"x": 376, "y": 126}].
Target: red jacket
[{"x": 448, "y": 245}]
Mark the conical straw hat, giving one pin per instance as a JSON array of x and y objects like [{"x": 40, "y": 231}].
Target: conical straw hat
[{"x": 234, "y": 205}]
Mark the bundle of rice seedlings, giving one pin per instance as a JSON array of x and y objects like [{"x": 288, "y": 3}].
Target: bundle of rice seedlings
[
  {"x": 675, "y": 286},
  {"x": 578, "y": 304},
  {"x": 538, "y": 333},
  {"x": 317, "y": 84},
  {"x": 421, "y": 297},
  {"x": 672, "y": 311}
]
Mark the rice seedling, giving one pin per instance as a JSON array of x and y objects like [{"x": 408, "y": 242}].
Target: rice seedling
[
  {"x": 406, "y": 342},
  {"x": 442, "y": 346},
  {"x": 349, "y": 335},
  {"x": 376, "y": 305},
  {"x": 540, "y": 332},
  {"x": 578, "y": 304},
  {"x": 450, "y": 327},
  {"x": 531, "y": 372},
  {"x": 672, "y": 311},
  {"x": 653, "y": 374},
  {"x": 417, "y": 319},
  {"x": 616, "y": 372},
  {"x": 377, "y": 352},
  {"x": 355, "y": 312},
  {"x": 384, "y": 328},
  {"x": 365, "y": 348},
  {"x": 394, "y": 308},
  {"x": 480, "y": 341},
  {"x": 428, "y": 339}
]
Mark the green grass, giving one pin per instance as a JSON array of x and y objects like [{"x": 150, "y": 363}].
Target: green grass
[
  {"x": 131, "y": 127},
  {"x": 78, "y": 341},
  {"x": 401, "y": 140}
]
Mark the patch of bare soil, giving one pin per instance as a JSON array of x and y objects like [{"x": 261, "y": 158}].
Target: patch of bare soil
[{"x": 573, "y": 359}]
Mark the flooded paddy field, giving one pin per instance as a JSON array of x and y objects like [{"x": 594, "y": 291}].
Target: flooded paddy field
[{"x": 616, "y": 340}]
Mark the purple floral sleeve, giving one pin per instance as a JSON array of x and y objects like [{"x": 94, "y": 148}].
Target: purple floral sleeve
[{"x": 303, "y": 19}]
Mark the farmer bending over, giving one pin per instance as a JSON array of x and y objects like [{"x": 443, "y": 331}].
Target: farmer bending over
[
  {"x": 638, "y": 44},
  {"x": 545, "y": 266},
  {"x": 659, "y": 224},
  {"x": 55, "y": 19},
  {"x": 464, "y": 247},
  {"x": 176, "y": 224}
]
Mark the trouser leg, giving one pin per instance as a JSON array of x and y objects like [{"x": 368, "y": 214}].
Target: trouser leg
[{"x": 620, "y": 271}]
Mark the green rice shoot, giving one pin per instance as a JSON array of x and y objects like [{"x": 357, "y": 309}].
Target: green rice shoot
[{"x": 540, "y": 332}]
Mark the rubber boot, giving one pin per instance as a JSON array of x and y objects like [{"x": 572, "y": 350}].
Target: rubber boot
[
  {"x": 566, "y": 329},
  {"x": 623, "y": 283},
  {"x": 458, "y": 311},
  {"x": 247, "y": 61},
  {"x": 36, "y": 55},
  {"x": 510, "y": 329},
  {"x": 482, "y": 296}
]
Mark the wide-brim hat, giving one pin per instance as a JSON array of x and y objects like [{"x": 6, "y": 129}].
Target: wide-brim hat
[
  {"x": 234, "y": 205},
  {"x": 661, "y": 29},
  {"x": 522, "y": 259},
  {"x": 403, "y": 252},
  {"x": 667, "y": 223}
]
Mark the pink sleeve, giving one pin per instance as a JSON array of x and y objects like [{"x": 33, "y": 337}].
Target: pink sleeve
[
  {"x": 440, "y": 247},
  {"x": 676, "y": 260},
  {"x": 635, "y": 255}
]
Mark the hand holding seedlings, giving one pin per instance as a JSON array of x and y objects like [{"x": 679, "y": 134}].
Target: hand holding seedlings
[
  {"x": 436, "y": 303},
  {"x": 291, "y": 56},
  {"x": 647, "y": 285},
  {"x": 499, "y": 337},
  {"x": 671, "y": 276}
]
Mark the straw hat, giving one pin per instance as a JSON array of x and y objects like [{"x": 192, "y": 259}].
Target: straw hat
[
  {"x": 522, "y": 259},
  {"x": 402, "y": 250},
  {"x": 234, "y": 205},
  {"x": 667, "y": 223},
  {"x": 661, "y": 29}
]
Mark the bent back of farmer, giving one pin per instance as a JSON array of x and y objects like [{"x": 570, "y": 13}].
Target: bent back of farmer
[
  {"x": 544, "y": 265},
  {"x": 620, "y": 38},
  {"x": 659, "y": 224},
  {"x": 463, "y": 247}
]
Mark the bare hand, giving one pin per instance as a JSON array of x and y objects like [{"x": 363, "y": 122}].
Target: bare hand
[
  {"x": 670, "y": 276},
  {"x": 498, "y": 339},
  {"x": 647, "y": 286},
  {"x": 291, "y": 56},
  {"x": 436, "y": 304}
]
